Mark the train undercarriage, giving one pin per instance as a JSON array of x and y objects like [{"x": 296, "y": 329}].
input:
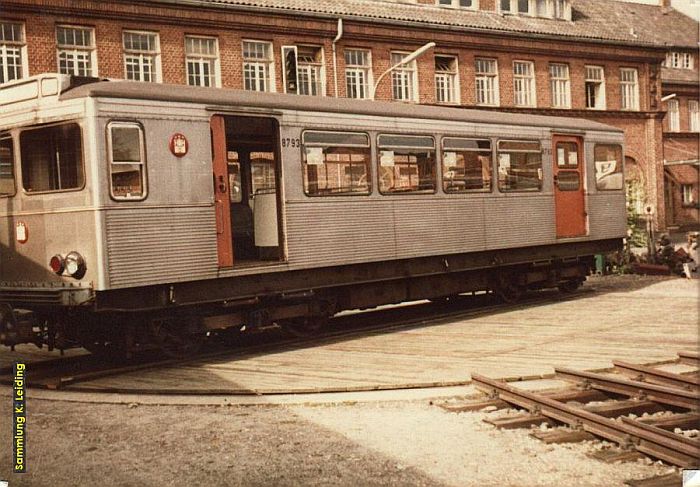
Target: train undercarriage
[{"x": 175, "y": 319}]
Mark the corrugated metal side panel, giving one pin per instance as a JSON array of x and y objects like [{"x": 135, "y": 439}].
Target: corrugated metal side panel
[
  {"x": 439, "y": 226},
  {"x": 607, "y": 215},
  {"x": 150, "y": 246},
  {"x": 339, "y": 232},
  {"x": 519, "y": 221}
]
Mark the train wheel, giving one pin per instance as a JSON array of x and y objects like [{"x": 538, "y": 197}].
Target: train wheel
[
  {"x": 508, "y": 289},
  {"x": 568, "y": 287},
  {"x": 303, "y": 326},
  {"x": 174, "y": 337}
]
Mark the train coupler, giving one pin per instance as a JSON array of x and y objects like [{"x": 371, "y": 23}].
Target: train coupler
[{"x": 19, "y": 326}]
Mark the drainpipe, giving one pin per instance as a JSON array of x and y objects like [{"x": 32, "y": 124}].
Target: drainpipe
[{"x": 335, "y": 60}]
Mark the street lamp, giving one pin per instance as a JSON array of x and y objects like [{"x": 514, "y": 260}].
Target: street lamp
[{"x": 405, "y": 60}]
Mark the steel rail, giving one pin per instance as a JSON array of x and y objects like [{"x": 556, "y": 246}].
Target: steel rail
[
  {"x": 671, "y": 396},
  {"x": 692, "y": 358},
  {"x": 646, "y": 439},
  {"x": 658, "y": 376}
]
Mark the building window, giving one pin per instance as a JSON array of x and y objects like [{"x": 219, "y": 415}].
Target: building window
[
  {"x": 336, "y": 163},
  {"x": 486, "y": 82},
  {"x": 310, "y": 71},
  {"x": 404, "y": 82},
  {"x": 679, "y": 60},
  {"x": 127, "y": 157},
  {"x": 687, "y": 194},
  {"x": 519, "y": 165},
  {"x": 7, "y": 164},
  {"x": 446, "y": 79},
  {"x": 694, "y": 115},
  {"x": 258, "y": 66},
  {"x": 76, "y": 51},
  {"x": 595, "y": 87},
  {"x": 52, "y": 158},
  {"x": 523, "y": 6},
  {"x": 12, "y": 52},
  {"x": 629, "y": 89},
  {"x": 406, "y": 164},
  {"x": 674, "y": 124},
  {"x": 466, "y": 165},
  {"x": 141, "y": 56},
  {"x": 561, "y": 9},
  {"x": 524, "y": 83},
  {"x": 202, "y": 61},
  {"x": 560, "y": 85},
  {"x": 458, "y": 3},
  {"x": 358, "y": 73}
]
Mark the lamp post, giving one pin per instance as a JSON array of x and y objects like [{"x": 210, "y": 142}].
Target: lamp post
[{"x": 405, "y": 60}]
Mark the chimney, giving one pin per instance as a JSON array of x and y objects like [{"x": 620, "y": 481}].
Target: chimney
[{"x": 665, "y": 3}]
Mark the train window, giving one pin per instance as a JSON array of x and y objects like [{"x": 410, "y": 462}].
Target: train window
[
  {"x": 519, "y": 165},
  {"x": 127, "y": 157},
  {"x": 406, "y": 164},
  {"x": 608, "y": 167},
  {"x": 235, "y": 193},
  {"x": 336, "y": 163},
  {"x": 52, "y": 158},
  {"x": 262, "y": 167},
  {"x": 7, "y": 163},
  {"x": 466, "y": 165}
]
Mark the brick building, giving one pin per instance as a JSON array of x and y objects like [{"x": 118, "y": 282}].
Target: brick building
[
  {"x": 679, "y": 77},
  {"x": 596, "y": 59}
]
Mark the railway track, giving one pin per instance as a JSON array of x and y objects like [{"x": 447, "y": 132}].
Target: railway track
[
  {"x": 609, "y": 405},
  {"x": 70, "y": 372}
]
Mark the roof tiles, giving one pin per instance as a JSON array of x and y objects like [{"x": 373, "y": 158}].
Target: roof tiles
[{"x": 595, "y": 20}]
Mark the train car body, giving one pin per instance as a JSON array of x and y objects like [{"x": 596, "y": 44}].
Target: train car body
[{"x": 157, "y": 212}]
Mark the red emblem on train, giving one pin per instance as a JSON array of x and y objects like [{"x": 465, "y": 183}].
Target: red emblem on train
[{"x": 179, "y": 145}]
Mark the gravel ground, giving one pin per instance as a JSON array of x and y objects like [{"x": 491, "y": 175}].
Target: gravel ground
[{"x": 349, "y": 445}]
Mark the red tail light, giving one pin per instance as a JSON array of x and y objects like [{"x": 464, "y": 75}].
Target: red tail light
[{"x": 57, "y": 264}]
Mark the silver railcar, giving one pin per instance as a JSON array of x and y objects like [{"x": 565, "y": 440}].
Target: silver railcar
[{"x": 140, "y": 214}]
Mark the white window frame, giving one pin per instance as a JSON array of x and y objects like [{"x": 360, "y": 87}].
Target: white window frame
[
  {"x": 687, "y": 194},
  {"x": 560, "y": 86},
  {"x": 600, "y": 98},
  {"x": 486, "y": 77},
  {"x": 404, "y": 77},
  {"x": 74, "y": 50},
  {"x": 553, "y": 9},
  {"x": 524, "y": 89},
  {"x": 629, "y": 89},
  {"x": 310, "y": 70},
  {"x": 263, "y": 68},
  {"x": 674, "y": 118},
  {"x": 694, "y": 115},
  {"x": 142, "y": 162},
  {"x": 19, "y": 48},
  {"x": 359, "y": 71},
  {"x": 449, "y": 80},
  {"x": 457, "y": 4},
  {"x": 141, "y": 56},
  {"x": 679, "y": 60},
  {"x": 201, "y": 59}
]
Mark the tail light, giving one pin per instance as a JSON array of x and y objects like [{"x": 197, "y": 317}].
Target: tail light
[
  {"x": 75, "y": 265},
  {"x": 57, "y": 264}
]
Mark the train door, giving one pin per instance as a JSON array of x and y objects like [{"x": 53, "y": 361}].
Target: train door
[
  {"x": 569, "y": 191},
  {"x": 246, "y": 189}
]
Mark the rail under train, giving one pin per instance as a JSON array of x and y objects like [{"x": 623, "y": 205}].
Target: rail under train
[{"x": 138, "y": 216}]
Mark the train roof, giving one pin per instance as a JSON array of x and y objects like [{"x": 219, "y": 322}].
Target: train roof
[{"x": 224, "y": 97}]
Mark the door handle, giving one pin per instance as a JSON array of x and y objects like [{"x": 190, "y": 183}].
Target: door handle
[{"x": 222, "y": 185}]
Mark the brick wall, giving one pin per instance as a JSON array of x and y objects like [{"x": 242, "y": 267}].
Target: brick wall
[{"x": 109, "y": 19}]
